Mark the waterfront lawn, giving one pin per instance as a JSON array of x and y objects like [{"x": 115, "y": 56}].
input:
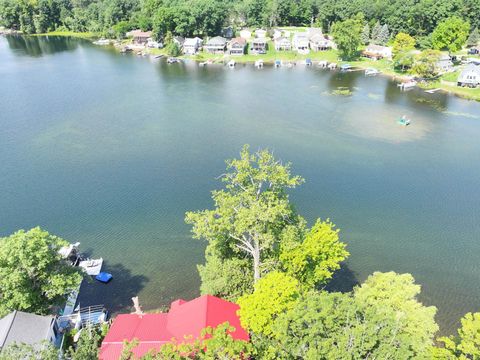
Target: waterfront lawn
[{"x": 82, "y": 35}]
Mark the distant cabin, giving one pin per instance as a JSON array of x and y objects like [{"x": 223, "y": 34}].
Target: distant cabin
[
  {"x": 470, "y": 76},
  {"x": 300, "y": 42},
  {"x": 192, "y": 45},
  {"x": 277, "y": 34},
  {"x": 444, "y": 64},
  {"x": 21, "y": 327},
  {"x": 228, "y": 32},
  {"x": 237, "y": 46},
  {"x": 259, "y": 46},
  {"x": 283, "y": 44},
  {"x": 216, "y": 45},
  {"x": 377, "y": 52},
  {"x": 179, "y": 41},
  {"x": 260, "y": 33},
  {"x": 320, "y": 42},
  {"x": 139, "y": 37},
  {"x": 246, "y": 34}
]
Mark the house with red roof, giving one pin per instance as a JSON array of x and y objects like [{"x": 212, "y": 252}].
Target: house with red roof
[{"x": 185, "y": 319}]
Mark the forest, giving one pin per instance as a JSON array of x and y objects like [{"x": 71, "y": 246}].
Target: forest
[{"x": 112, "y": 18}]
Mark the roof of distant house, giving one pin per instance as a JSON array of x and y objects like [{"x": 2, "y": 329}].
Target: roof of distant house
[
  {"x": 22, "y": 327},
  {"x": 185, "y": 318},
  {"x": 374, "y": 47},
  {"x": 238, "y": 40},
  {"x": 217, "y": 41}
]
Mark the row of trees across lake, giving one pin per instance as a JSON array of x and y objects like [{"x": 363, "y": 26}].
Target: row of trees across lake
[
  {"x": 261, "y": 254},
  {"x": 417, "y": 18}
]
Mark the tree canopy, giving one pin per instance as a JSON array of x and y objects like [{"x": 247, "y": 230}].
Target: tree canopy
[
  {"x": 33, "y": 276},
  {"x": 347, "y": 36},
  {"x": 451, "y": 34}
]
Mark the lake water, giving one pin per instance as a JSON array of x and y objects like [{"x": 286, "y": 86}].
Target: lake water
[{"x": 112, "y": 150}]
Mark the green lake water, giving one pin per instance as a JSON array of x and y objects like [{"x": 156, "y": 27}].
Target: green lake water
[{"x": 112, "y": 150}]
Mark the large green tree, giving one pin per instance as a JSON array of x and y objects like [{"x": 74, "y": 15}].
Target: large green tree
[
  {"x": 274, "y": 294},
  {"x": 347, "y": 36},
  {"x": 251, "y": 212},
  {"x": 382, "y": 319},
  {"x": 33, "y": 276},
  {"x": 314, "y": 258},
  {"x": 464, "y": 346},
  {"x": 451, "y": 34}
]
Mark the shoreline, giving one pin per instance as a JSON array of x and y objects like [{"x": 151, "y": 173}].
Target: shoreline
[{"x": 331, "y": 56}]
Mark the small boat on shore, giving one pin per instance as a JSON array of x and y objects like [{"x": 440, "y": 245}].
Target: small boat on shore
[
  {"x": 346, "y": 67},
  {"x": 102, "y": 42},
  {"x": 308, "y": 62},
  {"x": 91, "y": 266},
  {"x": 259, "y": 64},
  {"x": 231, "y": 64},
  {"x": 277, "y": 63},
  {"x": 104, "y": 277},
  {"x": 172, "y": 60},
  {"x": 371, "y": 72},
  {"x": 404, "y": 121},
  {"x": 332, "y": 66},
  {"x": 407, "y": 85}
]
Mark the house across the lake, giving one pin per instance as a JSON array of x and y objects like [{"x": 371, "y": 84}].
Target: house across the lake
[
  {"x": 246, "y": 34},
  {"x": 237, "y": 46},
  {"x": 260, "y": 33},
  {"x": 185, "y": 319},
  {"x": 139, "y": 37},
  {"x": 470, "y": 76},
  {"x": 283, "y": 44},
  {"x": 216, "y": 45},
  {"x": 377, "y": 52},
  {"x": 259, "y": 46},
  {"x": 300, "y": 42},
  {"x": 191, "y": 45},
  {"x": 179, "y": 40},
  {"x": 21, "y": 327},
  {"x": 444, "y": 64},
  {"x": 320, "y": 42}
]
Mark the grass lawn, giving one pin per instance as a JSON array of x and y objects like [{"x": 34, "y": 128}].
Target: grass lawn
[{"x": 83, "y": 35}]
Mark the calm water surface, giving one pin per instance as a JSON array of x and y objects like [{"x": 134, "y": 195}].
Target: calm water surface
[{"x": 112, "y": 150}]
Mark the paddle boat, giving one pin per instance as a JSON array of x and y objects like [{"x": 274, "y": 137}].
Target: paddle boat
[
  {"x": 231, "y": 64},
  {"x": 277, "y": 63},
  {"x": 172, "y": 60},
  {"x": 104, "y": 277},
  {"x": 407, "y": 85},
  {"x": 371, "y": 72},
  {"x": 332, "y": 66},
  {"x": 102, "y": 42},
  {"x": 259, "y": 64},
  {"x": 346, "y": 67},
  {"x": 308, "y": 62},
  {"x": 404, "y": 121}
]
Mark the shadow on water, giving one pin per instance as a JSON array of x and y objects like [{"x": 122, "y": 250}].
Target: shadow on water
[
  {"x": 344, "y": 280},
  {"x": 36, "y": 46},
  {"x": 117, "y": 295}
]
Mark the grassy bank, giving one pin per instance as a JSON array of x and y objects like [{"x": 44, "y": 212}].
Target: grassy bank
[{"x": 81, "y": 35}]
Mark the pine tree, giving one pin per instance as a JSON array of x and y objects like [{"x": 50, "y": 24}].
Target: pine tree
[
  {"x": 474, "y": 38},
  {"x": 384, "y": 35},
  {"x": 376, "y": 33},
  {"x": 366, "y": 34}
]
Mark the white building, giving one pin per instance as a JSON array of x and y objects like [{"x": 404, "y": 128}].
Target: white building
[{"x": 192, "y": 45}]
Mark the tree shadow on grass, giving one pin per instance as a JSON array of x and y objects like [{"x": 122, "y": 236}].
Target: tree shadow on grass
[
  {"x": 344, "y": 280},
  {"x": 117, "y": 295}
]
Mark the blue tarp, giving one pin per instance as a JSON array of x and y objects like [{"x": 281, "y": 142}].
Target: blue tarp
[{"x": 104, "y": 277}]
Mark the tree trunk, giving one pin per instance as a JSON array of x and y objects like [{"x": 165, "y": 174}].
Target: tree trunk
[{"x": 256, "y": 262}]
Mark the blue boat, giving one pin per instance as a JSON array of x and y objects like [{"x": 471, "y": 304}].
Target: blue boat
[
  {"x": 345, "y": 67},
  {"x": 308, "y": 62},
  {"x": 278, "y": 63},
  {"x": 104, "y": 277}
]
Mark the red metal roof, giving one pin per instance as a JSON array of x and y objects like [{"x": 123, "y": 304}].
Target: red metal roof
[{"x": 183, "y": 319}]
